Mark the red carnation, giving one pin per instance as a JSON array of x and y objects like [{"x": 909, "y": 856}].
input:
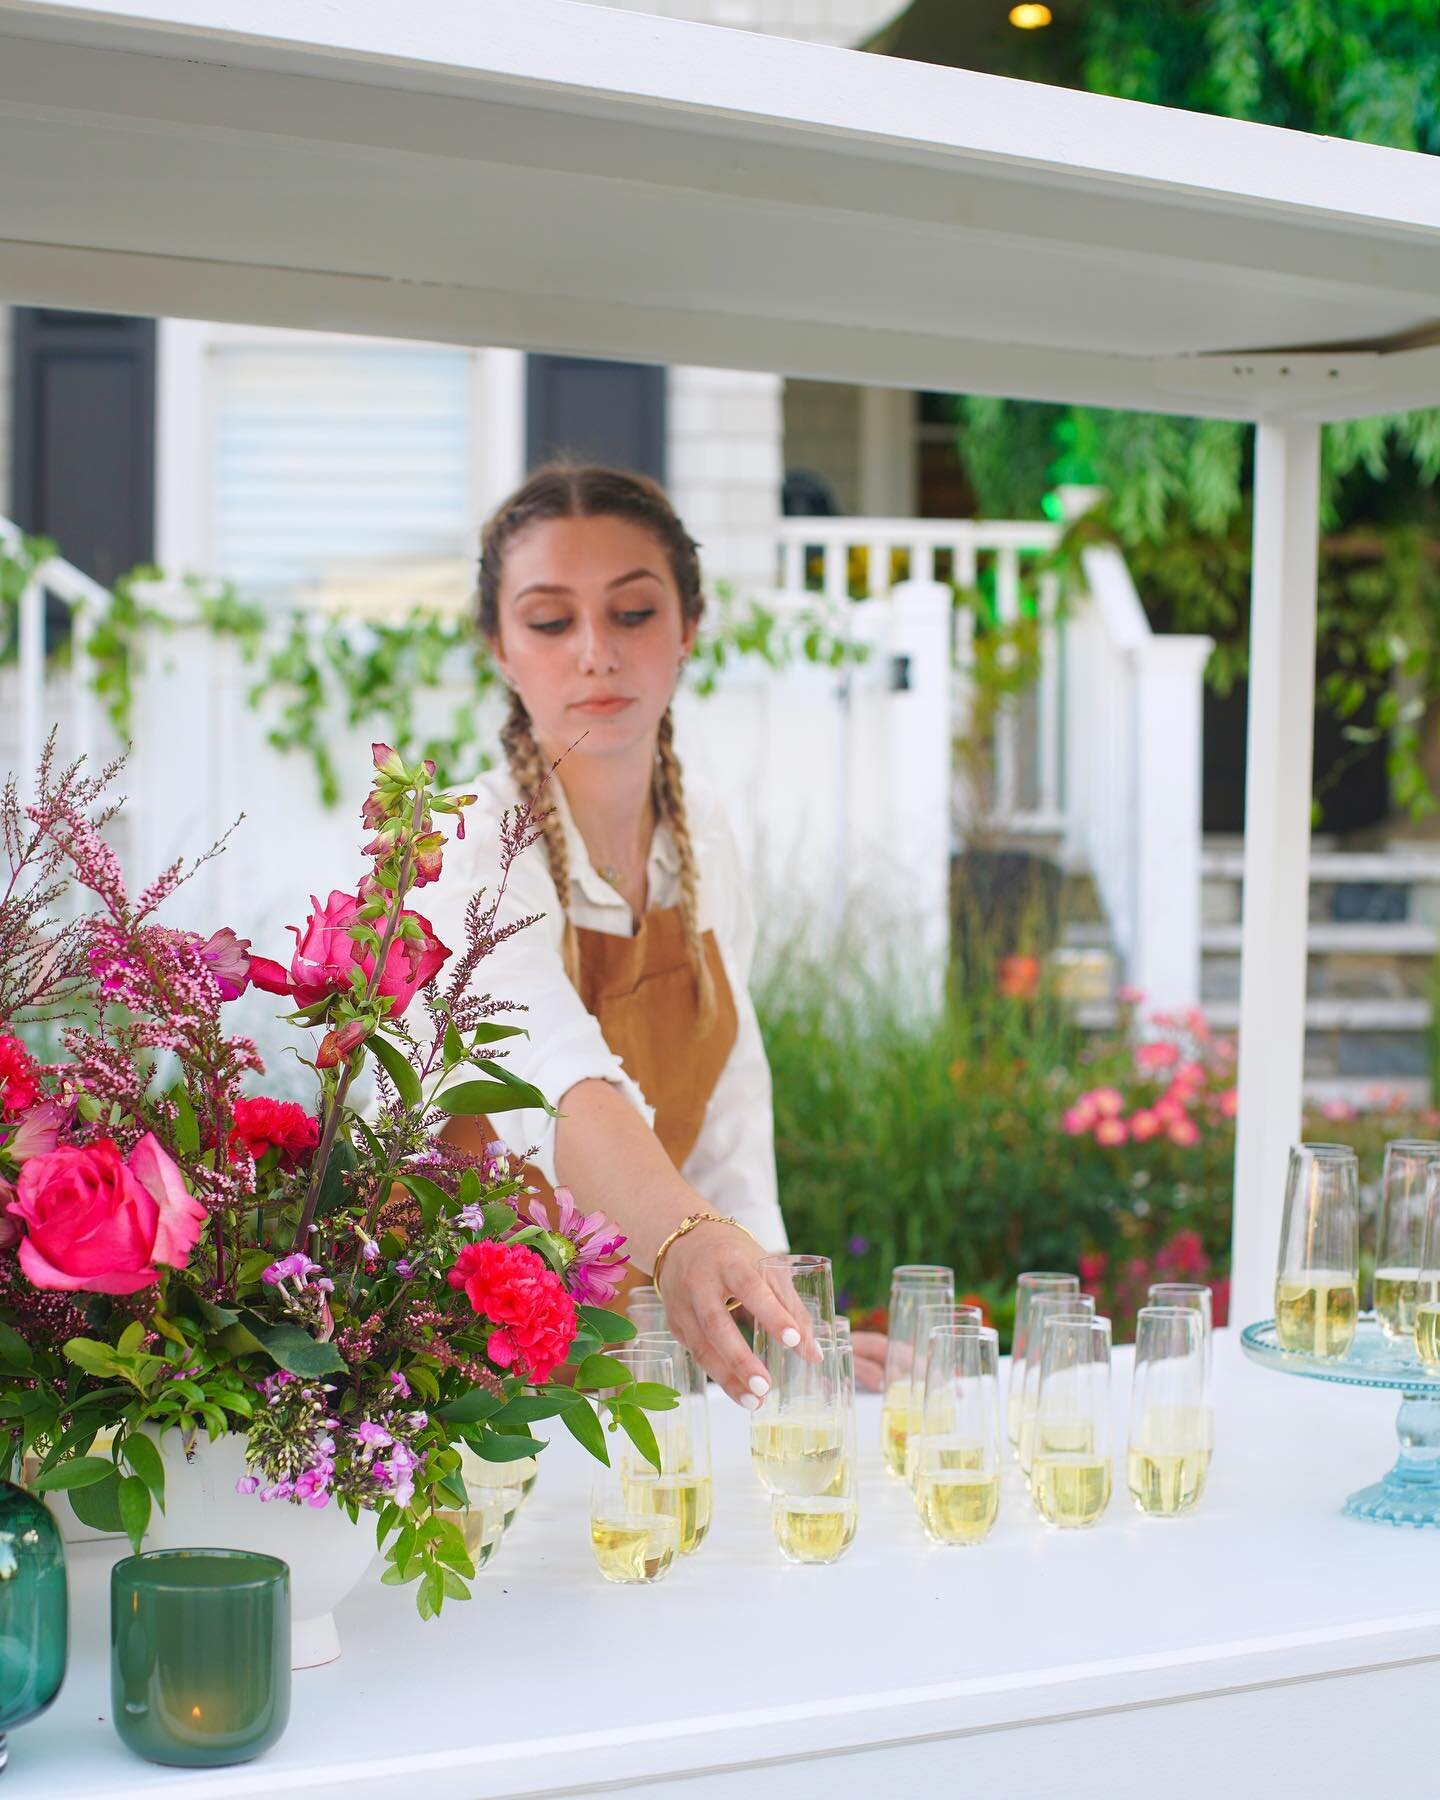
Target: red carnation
[
  {"x": 262, "y": 1125},
  {"x": 19, "y": 1088},
  {"x": 526, "y": 1302}
]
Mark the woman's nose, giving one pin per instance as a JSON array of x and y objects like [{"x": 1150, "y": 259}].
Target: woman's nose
[{"x": 597, "y": 648}]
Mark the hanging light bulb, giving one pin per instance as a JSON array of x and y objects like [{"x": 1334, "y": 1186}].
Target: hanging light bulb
[{"x": 1030, "y": 17}]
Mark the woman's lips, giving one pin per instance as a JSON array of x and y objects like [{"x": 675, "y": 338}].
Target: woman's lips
[{"x": 601, "y": 709}]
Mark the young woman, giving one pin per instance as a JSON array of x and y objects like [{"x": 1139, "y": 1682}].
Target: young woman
[{"x": 634, "y": 975}]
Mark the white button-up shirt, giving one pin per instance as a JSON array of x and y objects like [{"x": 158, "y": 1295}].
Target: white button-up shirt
[{"x": 732, "y": 1163}]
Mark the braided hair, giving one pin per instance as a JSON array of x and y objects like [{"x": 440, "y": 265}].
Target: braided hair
[{"x": 586, "y": 491}]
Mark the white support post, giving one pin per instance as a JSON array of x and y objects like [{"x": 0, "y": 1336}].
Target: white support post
[
  {"x": 918, "y": 827},
  {"x": 497, "y": 417},
  {"x": 1277, "y": 848},
  {"x": 31, "y": 675},
  {"x": 1169, "y": 690}
]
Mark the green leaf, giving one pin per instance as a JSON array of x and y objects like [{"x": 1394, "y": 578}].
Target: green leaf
[
  {"x": 609, "y": 1327},
  {"x": 293, "y": 1349},
  {"x": 498, "y": 1216},
  {"x": 497, "y": 1448},
  {"x": 434, "y": 1201},
  {"x": 478, "y": 1404},
  {"x": 13, "y": 1349},
  {"x": 341, "y": 1161},
  {"x": 473, "y": 1098},
  {"x": 451, "y": 1486},
  {"x": 80, "y": 1471},
  {"x": 583, "y": 1425},
  {"x": 132, "y": 1338},
  {"x": 652, "y": 1396},
  {"x": 431, "y": 1595},
  {"x": 602, "y": 1371},
  {"x": 502, "y": 1072},
  {"x": 397, "y": 1066},
  {"x": 187, "y": 1303},
  {"x": 187, "y": 1129},
  {"x": 454, "y": 1046},
  {"x": 140, "y": 1452},
  {"x": 134, "y": 1508},
  {"x": 492, "y": 1034},
  {"x": 525, "y": 1408},
  {"x": 640, "y": 1433},
  {"x": 99, "y": 1506},
  {"x": 94, "y": 1358}
]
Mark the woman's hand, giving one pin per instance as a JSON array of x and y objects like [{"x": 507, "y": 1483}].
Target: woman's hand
[
  {"x": 702, "y": 1270},
  {"x": 869, "y": 1359}
]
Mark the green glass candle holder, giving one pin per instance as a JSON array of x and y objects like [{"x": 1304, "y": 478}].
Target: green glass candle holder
[
  {"x": 33, "y": 1620},
  {"x": 200, "y": 1654}
]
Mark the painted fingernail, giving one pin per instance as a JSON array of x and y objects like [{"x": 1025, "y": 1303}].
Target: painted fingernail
[
  {"x": 749, "y": 1402},
  {"x": 759, "y": 1385},
  {"x": 790, "y": 1337}
]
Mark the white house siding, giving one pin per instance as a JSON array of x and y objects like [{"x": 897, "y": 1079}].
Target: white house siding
[
  {"x": 724, "y": 454},
  {"x": 818, "y": 21},
  {"x": 822, "y": 434}
]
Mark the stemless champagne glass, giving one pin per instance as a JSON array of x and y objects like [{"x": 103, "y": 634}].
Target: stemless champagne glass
[
  {"x": 1201, "y": 1300},
  {"x": 1070, "y": 1468},
  {"x": 646, "y": 1309},
  {"x": 802, "y": 1281},
  {"x": 1169, "y": 1449},
  {"x": 957, "y": 1445},
  {"x": 1032, "y": 1283},
  {"x": 930, "y": 1318},
  {"x": 635, "y": 1526},
  {"x": 797, "y": 1437},
  {"x": 912, "y": 1286},
  {"x": 683, "y": 1486},
  {"x": 1399, "y": 1232},
  {"x": 818, "y": 1524},
  {"x": 1317, "y": 1286},
  {"x": 1043, "y": 1308},
  {"x": 1427, "y": 1282}
]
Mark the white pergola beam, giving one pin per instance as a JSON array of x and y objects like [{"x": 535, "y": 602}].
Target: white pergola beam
[{"x": 1275, "y": 899}]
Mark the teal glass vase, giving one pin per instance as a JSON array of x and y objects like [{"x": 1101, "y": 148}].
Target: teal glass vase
[{"x": 33, "y": 1623}]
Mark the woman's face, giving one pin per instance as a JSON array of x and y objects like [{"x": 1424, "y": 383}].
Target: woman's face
[{"x": 590, "y": 632}]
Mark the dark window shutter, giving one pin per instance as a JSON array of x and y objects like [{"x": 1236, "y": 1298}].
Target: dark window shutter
[
  {"x": 588, "y": 411},
  {"x": 83, "y": 436}
]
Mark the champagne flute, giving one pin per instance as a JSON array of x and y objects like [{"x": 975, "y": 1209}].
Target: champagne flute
[
  {"x": 802, "y": 1282},
  {"x": 957, "y": 1445},
  {"x": 635, "y": 1527},
  {"x": 1427, "y": 1281},
  {"x": 1168, "y": 1455},
  {"x": 684, "y": 1485},
  {"x": 1399, "y": 1232},
  {"x": 1070, "y": 1477},
  {"x": 818, "y": 1524},
  {"x": 797, "y": 1437},
  {"x": 1201, "y": 1301},
  {"x": 1043, "y": 1308},
  {"x": 930, "y": 1317},
  {"x": 1317, "y": 1286},
  {"x": 646, "y": 1310},
  {"x": 1032, "y": 1283},
  {"x": 912, "y": 1285}
]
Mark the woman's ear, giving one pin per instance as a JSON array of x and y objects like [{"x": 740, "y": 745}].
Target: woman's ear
[{"x": 497, "y": 658}]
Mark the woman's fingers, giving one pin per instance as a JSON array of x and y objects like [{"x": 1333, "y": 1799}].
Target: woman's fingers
[{"x": 869, "y": 1359}]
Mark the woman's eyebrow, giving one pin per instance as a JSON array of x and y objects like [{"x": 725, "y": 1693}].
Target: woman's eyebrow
[{"x": 551, "y": 587}]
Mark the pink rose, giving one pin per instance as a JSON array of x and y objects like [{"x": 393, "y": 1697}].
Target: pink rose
[
  {"x": 1143, "y": 1125},
  {"x": 1159, "y": 1054},
  {"x": 1111, "y": 1132},
  {"x": 100, "y": 1224},
  {"x": 228, "y": 959},
  {"x": 1183, "y": 1132},
  {"x": 325, "y": 953},
  {"x": 9, "y": 1228},
  {"x": 1107, "y": 1102}
]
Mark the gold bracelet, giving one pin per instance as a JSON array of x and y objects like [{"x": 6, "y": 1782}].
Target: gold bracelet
[{"x": 688, "y": 1224}]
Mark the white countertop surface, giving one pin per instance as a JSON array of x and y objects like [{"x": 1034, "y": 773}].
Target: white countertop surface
[{"x": 551, "y": 1681}]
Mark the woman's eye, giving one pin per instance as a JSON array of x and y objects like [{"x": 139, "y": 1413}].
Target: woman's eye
[
  {"x": 551, "y": 627},
  {"x": 638, "y": 617}
]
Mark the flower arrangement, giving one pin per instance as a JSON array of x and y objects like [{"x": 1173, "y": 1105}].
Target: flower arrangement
[{"x": 355, "y": 1294}]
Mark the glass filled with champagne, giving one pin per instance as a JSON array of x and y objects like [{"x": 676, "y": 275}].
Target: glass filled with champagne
[
  {"x": 1201, "y": 1300},
  {"x": 683, "y": 1485},
  {"x": 912, "y": 1286},
  {"x": 797, "y": 1436},
  {"x": 814, "y": 1524},
  {"x": 1399, "y": 1233},
  {"x": 1070, "y": 1474},
  {"x": 1168, "y": 1456},
  {"x": 956, "y": 1446},
  {"x": 1317, "y": 1286},
  {"x": 481, "y": 1522},
  {"x": 506, "y": 1483},
  {"x": 1427, "y": 1279},
  {"x": 1043, "y": 1308},
  {"x": 931, "y": 1317},
  {"x": 636, "y": 1524},
  {"x": 1030, "y": 1285}
]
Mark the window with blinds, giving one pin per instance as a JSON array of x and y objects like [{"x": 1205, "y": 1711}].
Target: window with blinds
[{"x": 336, "y": 464}]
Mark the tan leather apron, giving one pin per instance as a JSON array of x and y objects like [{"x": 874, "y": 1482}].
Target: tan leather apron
[{"x": 641, "y": 989}]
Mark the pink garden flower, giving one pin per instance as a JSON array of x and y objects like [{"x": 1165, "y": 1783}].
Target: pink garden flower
[
  {"x": 228, "y": 959},
  {"x": 1229, "y": 1103},
  {"x": 1107, "y": 1102},
  {"x": 1111, "y": 1132},
  {"x": 1184, "y": 1132},
  {"x": 1156, "y": 1055},
  {"x": 596, "y": 1262},
  {"x": 1144, "y": 1125},
  {"x": 325, "y": 953}
]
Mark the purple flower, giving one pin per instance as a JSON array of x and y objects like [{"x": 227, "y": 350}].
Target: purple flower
[
  {"x": 400, "y": 1384},
  {"x": 404, "y": 1269},
  {"x": 472, "y": 1217},
  {"x": 228, "y": 959},
  {"x": 247, "y": 1484},
  {"x": 858, "y": 1245},
  {"x": 297, "y": 1265},
  {"x": 596, "y": 1262},
  {"x": 368, "y": 1432},
  {"x": 370, "y": 1251}
]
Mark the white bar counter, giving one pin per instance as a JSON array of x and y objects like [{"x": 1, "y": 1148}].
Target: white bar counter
[{"x": 1266, "y": 1636}]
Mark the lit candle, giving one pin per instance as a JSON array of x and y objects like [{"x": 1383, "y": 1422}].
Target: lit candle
[{"x": 200, "y": 1654}]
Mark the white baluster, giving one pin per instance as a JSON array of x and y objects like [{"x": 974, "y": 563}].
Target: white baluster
[
  {"x": 1007, "y": 607},
  {"x": 1049, "y": 698},
  {"x": 31, "y": 675}
]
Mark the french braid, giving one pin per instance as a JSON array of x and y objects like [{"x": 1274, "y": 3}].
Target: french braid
[{"x": 571, "y": 491}]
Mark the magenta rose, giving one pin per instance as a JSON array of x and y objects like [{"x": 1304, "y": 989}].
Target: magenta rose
[
  {"x": 100, "y": 1223},
  {"x": 325, "y": 953}
]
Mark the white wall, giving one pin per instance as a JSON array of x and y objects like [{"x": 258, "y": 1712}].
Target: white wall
[{"x": 841, "y": 22}]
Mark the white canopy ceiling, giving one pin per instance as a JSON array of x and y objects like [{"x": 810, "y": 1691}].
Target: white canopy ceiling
[{"x": 569, "y": 177}]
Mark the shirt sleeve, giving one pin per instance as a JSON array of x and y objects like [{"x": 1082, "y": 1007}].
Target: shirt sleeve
[
  {"x": 732, "y": 1163},
  {"x": 564, "y": 1044}
]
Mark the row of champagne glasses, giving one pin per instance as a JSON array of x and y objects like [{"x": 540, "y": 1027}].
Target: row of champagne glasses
[{"x": 1317, "y": 1284}]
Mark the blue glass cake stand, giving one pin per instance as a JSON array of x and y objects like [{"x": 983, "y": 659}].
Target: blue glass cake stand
[{"x": 1410, "y": 1493}]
